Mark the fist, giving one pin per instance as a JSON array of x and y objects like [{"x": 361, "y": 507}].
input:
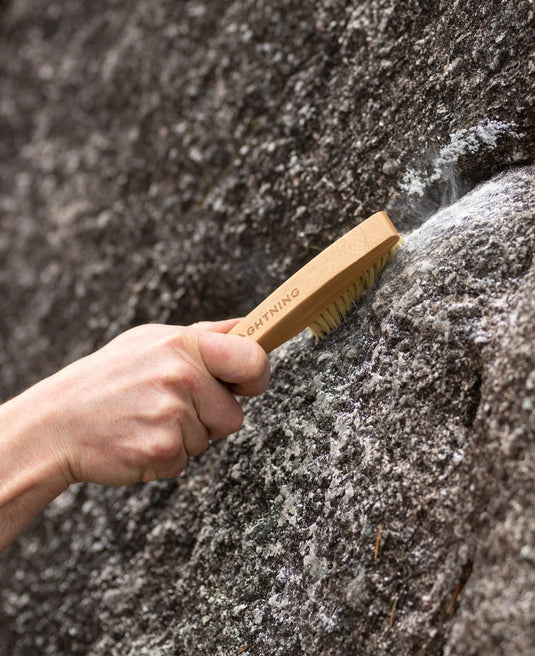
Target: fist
[{"x": 155, "y": 395}]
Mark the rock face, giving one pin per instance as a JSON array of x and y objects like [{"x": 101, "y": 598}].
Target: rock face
[{"x": 175, "y": 161}]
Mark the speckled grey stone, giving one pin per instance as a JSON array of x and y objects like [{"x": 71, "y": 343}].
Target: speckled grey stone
[{"x": 175, "y": 161}]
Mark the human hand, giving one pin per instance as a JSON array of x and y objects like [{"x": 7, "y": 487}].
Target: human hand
[
  {"x": 133, "y": 411},
  {"x": 155, "y": 395}
]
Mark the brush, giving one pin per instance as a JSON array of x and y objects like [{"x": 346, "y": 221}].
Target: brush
[{"x": 322, "y": 292}]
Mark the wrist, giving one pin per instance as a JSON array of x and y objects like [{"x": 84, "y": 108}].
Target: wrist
[
  {"x": 32, "y": 473},
  {"x": 31, "y": 452}
]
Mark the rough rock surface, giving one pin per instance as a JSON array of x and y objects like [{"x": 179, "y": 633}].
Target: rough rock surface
[{"x": 174, "y": 161}]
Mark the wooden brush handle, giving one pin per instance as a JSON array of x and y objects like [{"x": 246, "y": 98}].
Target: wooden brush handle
[{"x": 297, "y": 302}]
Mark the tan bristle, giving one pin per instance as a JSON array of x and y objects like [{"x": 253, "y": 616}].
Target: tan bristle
[{"x": 332, "y": 316}]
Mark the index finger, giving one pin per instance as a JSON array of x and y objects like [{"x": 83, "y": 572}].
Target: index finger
[{"x": 223, "y": 326}]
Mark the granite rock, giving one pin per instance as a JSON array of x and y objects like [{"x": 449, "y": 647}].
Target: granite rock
[{"x": 175, "y": 161}]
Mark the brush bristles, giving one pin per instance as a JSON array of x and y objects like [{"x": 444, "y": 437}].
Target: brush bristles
[{"x": 332, "y": 316}]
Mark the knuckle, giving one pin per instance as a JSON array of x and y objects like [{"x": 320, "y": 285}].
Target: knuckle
[
  {"x": 165, "y": 448},
  {"x": 164, "y": 409},
  {"x": 179, "y": 375},
  {"x": 165, "y": 376},
  {"x": 189, "y": 378}
]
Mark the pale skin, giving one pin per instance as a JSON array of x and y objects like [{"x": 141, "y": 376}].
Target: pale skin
[{"x": 135, "y": 410}]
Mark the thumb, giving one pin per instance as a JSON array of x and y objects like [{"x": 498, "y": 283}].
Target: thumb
[{"x": 235, "y": 359}]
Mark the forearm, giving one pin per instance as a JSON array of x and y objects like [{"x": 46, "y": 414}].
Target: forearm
[{"x": 31, "y": 475}]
